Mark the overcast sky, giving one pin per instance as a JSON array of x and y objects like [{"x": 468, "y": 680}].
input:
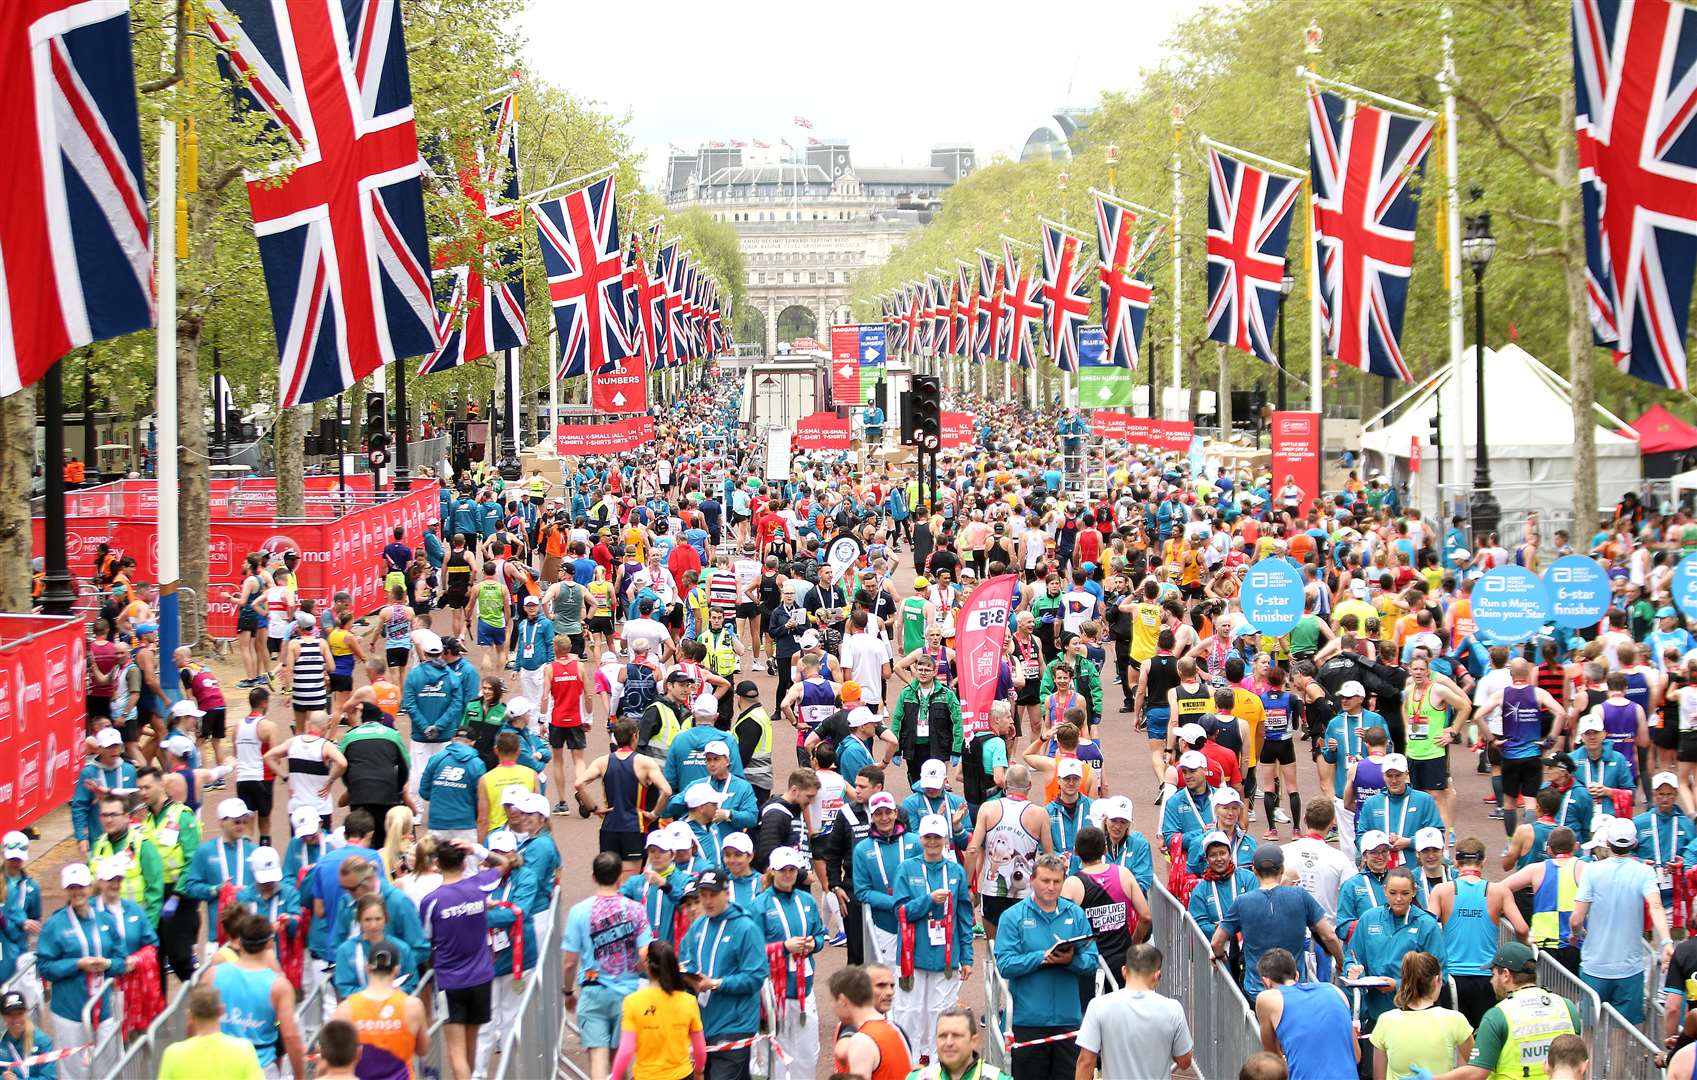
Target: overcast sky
[{"x": 893, "y": 77}]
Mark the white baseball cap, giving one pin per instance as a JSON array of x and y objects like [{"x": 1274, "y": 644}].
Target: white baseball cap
[
  {"x": 701, "y": 793},
  {"x": 532, "y": 601},
  {"x": 933, "y": 775},
  {"x": 534, "y": 802},
  {"x": 860, "y": 716},
  {"x": 15, "y": 845},
  {"x": 108, "y": 868},
  {"x": 108, "y": 737},
  {"x": 180, "y": 745},
  {"x": 1351, "y": 689},
  {"x": 660, "y": 838},
  {"x": 786, "y": 858},
  {"x": 232, "y": 808},
  {"x": 1395, "y": 763},
  {"x": 883, "y": 800},
  {"x": 75, "y": 874},
  {"x": 1192, "y": 759},
  {"x": 1191, "y": 733},
  {"x": 267, "y": 864},
  {"x": 429, "y": 641},
  {"x": 933, "y": 825},
  {"x": 1429, "y": 837},
  {"x": 810, "y": 640},
  {"x": 1069, "y": 767},
  {"x": 304, "y": 821},
  {"x": 705, "y": 705},
  {"x": 1116, "y": 807},
  {"x": 1664, "y": 778},
  {"x": 1213, "y": 837},
  {"x": 681, "y": 836},
  {"x": 1373, "y": 839},
  {"x": 1622, "y": 833},
  {"x": 520, "y": 706},
  {"x": 738, "y": 842},
  {"x": 1591, "y": 722},
  {"x": 512, "y": 793},
  {"x": 1226, "y": 796},
  {"x": 717, "y": 747},
  {"x": 504, "y": 840},
  {"x": 186, "y": 707}
]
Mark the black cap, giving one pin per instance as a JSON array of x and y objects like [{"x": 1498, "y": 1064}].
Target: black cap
[
  {"x": 382, "y": 959},
  {"x": 1559, "y": 761},
  {"x": 712, "y": 881},
  {"x": 452, "y": 645},
  {"x": 746, "y": 688},
  {"x": 12, "y": 1001},
  {"x": 679, "y": 675}
]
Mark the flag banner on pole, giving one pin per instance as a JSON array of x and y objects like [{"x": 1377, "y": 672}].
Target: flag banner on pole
[
  {"x": 1023, "y": 314},
  {"x": 76, "y": 248},
  {"x": 341, "y": 235},
  {"x": 1125, "y": 295},
  {"x": 873, "y": 351},
  {"x": 981, "y": 633},
  {"x": 989, "y": 308},
  {"x": 966, "y": 315},
  {"x": 1634, "y": 87},
  {"x": 1362, "y": 158},
  {"x": 579, "y": 237},
  {"x": 1102, "y": 384},
  {"x": 845, "y": 365},
  {"x": 666, "y": 269},
  {"x": 1249, "y": 216},
  {"x": 485, "y": 316},
  {"x": 822, "y": 431},
  {"x": 1066, "y": 296}
]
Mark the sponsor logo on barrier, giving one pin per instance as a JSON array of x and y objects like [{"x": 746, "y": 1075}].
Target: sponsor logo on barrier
[
  {"x": 58, "y": 672},
  {"x": 29, "y": 774}
]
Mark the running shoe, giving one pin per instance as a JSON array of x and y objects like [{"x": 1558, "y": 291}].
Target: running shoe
[
  {"x": 839, "y": 938},
  {"x": 1271, "y": 836},
  {"x": 247, "y": 684},
  {"x": 562, "y": 808},
  {"x": 1282, "y": 816},
  {"x": 1496, "y": 814}
]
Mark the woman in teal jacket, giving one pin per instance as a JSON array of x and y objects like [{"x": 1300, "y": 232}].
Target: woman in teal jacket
[{"x": 1383, "y": 936}]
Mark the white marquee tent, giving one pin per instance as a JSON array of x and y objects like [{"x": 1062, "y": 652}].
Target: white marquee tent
[{"x": 1529, "y": 424}]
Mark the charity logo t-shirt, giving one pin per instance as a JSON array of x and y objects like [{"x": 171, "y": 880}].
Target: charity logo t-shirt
[{"x": 456, "y": 921}]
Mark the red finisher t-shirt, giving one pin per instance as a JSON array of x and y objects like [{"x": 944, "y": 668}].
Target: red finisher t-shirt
[
  {"x": 1089, "y": 546},
  {"x": 1222, "y": 765},
  {"x": 565, "y": 686},
  {"x": 769, "y": 525}
]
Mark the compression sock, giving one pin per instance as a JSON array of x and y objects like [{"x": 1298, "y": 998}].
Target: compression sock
[
  {"x": 1271, "y": 801},
  {"x": 1295, "y": 809},
  {"x": 1511, "y": 820}
]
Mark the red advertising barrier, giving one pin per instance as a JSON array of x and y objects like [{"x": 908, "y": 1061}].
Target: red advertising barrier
[
  {"x": 1109, "y": 425},
  {"x": 41, "y": 715},
  {"x": 621, "y": 389},
  {"x": 246, "y": 497},
  {"x": 1172, "y": 436},
  {"x": 1296, "y": 454},
  {"x": 604, "y": 438},
  {"x": 338, "y": 553},
  {"x": 822, "y": 431},
  {"x": 957, "y": 429},
  {"x": 1137, "y": 430}
]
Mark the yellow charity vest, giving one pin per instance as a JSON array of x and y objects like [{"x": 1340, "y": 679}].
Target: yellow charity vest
[
  {"x": 670, "y": 725},
  {"x": 135, "y": 886},
  {"x": 169, "y": 828},
  {"x": 721, "y": 652},
  {"x": 1535, "y": 1018}
]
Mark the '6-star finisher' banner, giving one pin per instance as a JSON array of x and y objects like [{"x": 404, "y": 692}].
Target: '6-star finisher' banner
[{"x": 981, "y": 633}]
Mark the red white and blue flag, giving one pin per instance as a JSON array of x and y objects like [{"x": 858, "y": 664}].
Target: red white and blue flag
[
  {"x": 1249, "y": 216},
  {"x": 1362, "y": 158},
  {"x": 1066, "y": 295},
  {"x": 579, "y": 235},
  {"x": 1022, "y": 314},
  {"x": 1635, "y": 93},
  {"x": 966, "y": 312},
  {"x": 914, "y": 332},
  {"x": 76, "y": 250},
  {"x": 1124, "y": 293},
  {"x": 341, "y": 235},
  {"x": 485, "y": 316},
  {"x": 666, "y": 269},
  {"x": 984, "y": 344}
]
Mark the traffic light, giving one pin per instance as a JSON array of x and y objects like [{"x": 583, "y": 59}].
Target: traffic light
[
  {"x": 1432, "y": 422},
  {"x": 376, "y": 418},
  {"x": 928, "y": 411}
]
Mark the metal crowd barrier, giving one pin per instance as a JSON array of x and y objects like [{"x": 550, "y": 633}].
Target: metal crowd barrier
[
  {"x": 1226, "y": 1032},
  {"x": 1553, "y": 977},
  {"x": 998, "y": 1016},
  {"x": 1620, "y": 1051},
  {"x": 530, "y": 1050},
  {"x": 108, "y": 1049},
  {"x": 143, "y": 1055}
]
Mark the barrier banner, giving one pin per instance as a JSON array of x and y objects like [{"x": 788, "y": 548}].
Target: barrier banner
[
  {"x": 41, "y": 714},
  {"x": 604, "y": 438},
  {"x": 1173, "y": 436},
  {"x": 822, "y": 431},
  {"x": 1110, "y": 425},
  {"x": 957, "y": 429},
  {"x": 981, "y": 632},
  {"x": 845, "y": 365},
  {"x": 1139, "y": 431},
  {"x": 1296, "y": 454}
]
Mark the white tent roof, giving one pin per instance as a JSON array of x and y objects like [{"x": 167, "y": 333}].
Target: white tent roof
[{"x": 1530, "y": 412}]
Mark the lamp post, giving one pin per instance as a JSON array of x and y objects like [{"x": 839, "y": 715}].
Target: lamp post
[
  {"x": 1477, "y": 248},
  {"x": 1286, "y": 284}
]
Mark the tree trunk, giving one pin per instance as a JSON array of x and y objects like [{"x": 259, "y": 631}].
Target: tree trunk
[
  {"x": 1224, "y": 405},
  {"x": 287, "y": 438},
  {"x": 1579, "y": 356},
  {"x": 17, "y": 460},
  {"x": 194, "y": 488}
]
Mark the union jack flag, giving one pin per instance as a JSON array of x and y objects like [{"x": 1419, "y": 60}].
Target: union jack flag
[
  {"x": 666, "y": 269},
  {"x": 494, "y": 318},
  {"x": 1066, "y": 296},
  {"x": 1362, "y": 158},
  {"x": 76, "y": 252},
  {"x": 966, "y": 311},
  {"x": 342, "y": 235},
  {"x": 913, "y": 333},
  {"x": 1124, "y": 293},
  {"x": 1249, "y": 216},
  {"x": 645, "y": 302},
  {"x": 1635, "y": 91},
  {"x": 1022, "y": 313},
  {"x": 986, "y": 342},
  {"x": 579, "y": 235}
]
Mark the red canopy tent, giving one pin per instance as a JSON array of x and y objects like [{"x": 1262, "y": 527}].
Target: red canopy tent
[{"x": 1667, "y": 443}]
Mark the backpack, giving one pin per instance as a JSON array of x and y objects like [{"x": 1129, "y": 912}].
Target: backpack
[
  {"x": 640, "y": 691},
  {"x": 976, "y": 786}
]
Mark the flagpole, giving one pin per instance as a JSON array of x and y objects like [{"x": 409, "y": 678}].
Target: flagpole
[
  {"x": 1452, "y": 253},
  {"x": 553, "y": 389},
  {"x": 1265, "y": 163},
  {"x": 165, "y": 422},
  {"x": 533, "y": 196},
  {"x": 1178, "y": 256},
  {"x": 1351, "y": 90}
]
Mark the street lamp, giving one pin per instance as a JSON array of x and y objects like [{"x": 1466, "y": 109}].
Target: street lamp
[
  {"x": 1477, "y": 248},
  {"x": 1286, "y": 284}
]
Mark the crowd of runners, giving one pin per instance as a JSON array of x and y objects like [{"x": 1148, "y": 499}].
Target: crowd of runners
[{"x": 770, "y": 751}]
